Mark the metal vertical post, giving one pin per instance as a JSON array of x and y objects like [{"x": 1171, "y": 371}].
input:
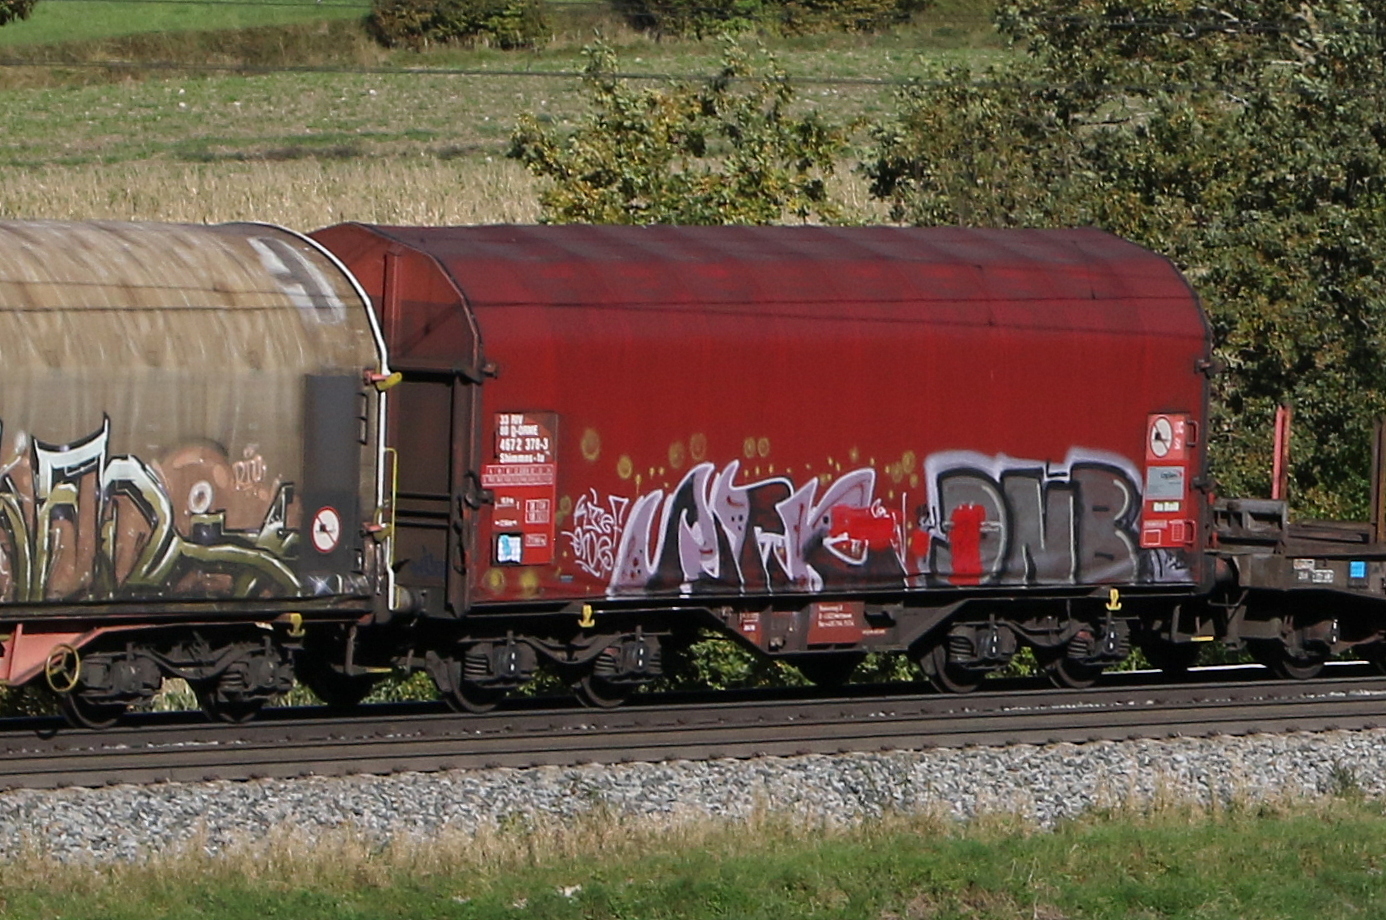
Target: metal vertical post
[
  {"x": 1379, "y": 481},
  {"x": 1280, "y": 468}
]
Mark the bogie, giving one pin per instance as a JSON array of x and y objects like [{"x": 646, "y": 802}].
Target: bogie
[
  {"x": 233, "y": 674},
  {"x": 476, "y": 676}
]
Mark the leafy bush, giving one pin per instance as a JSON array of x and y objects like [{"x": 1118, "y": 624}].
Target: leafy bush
[
  {"x": 697, "y": 18},
  {"x": 718, "y": 663},
  {"x": 710, "y": 17},
  {"x": 799, "y": 17},
  {"x": 724, "y": 152},
  {"x": 11, "y": 10},
  {"x": 30, "y": 700},
  {"x": 417, "y": 23}
]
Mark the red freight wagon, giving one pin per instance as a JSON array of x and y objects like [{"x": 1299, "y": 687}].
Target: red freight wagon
[{"x": 952, "y": 441}]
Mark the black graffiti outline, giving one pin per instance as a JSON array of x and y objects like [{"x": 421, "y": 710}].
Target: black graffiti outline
[
  {"x": 256, "y": 559},
  {"x": 708, "y": 535},
  {"x": 1074, "y": 537}
]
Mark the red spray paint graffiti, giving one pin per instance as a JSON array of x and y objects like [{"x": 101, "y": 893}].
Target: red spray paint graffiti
[{"x": 965, "y": 539}]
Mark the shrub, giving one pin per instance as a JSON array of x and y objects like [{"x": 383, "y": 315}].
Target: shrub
[
  {"x": 30, "y": 700},
  {"x": 696, "y": 18},
  {"x": 796, "y": 17},
  {"x": 728, "y": 151},
  {"x": 800, "y": 17},
  {"x": 417, "y": 23},
  {"x": 11, "y": 10}
]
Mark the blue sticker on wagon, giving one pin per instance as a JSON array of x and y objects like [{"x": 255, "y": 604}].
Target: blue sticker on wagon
[
  {"x": 1357, "y": 568},
  {"x": 509, "y": 548}
]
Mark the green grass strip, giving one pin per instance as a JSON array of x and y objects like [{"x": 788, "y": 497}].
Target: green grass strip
[
  {"x": 1307, "y": 860},
  {"x": 55, "y": 21}
]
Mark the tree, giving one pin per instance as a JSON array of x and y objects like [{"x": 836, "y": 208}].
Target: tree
[
  {"x": 11, "y": 10},
  {"x": 724, "y": 152},
  {"x": 1246, "y": 141},
  {"x": 790, "y": 17},
  {"x": 418, "y": 23}
]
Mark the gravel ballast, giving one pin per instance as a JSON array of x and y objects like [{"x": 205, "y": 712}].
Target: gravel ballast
[{"x": 1040, "y": 783}]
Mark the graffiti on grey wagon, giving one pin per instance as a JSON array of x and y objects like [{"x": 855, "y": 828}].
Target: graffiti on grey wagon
[{"x": 77, "y": 522}]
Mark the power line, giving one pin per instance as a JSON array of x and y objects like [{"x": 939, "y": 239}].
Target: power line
[
  {"x": 667, "y": 76},
  {"x": 674, "y": 77}
]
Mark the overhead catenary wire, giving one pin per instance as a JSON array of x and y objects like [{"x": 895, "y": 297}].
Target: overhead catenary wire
[{"x": 675, "y": 77}]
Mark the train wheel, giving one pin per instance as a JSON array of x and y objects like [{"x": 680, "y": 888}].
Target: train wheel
[
  {"x": 1069, "y": 674},
  {"x": 598, "y": 693},
  {"x": 220, "y": 708},
  {"x": 470, "y": 697},
  {"x": 1285, "y": 664},
  {"x": 82, "y": 712},
  {"x": 1170, "y": 657},
  {"x": 946, "y": 675}
]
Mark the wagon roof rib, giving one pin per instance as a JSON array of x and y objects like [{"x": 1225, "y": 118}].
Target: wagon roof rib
[{"x": 668, "y": 267}]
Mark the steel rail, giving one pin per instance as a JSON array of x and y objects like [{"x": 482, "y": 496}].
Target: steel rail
[{"x": 388, "y": 739}]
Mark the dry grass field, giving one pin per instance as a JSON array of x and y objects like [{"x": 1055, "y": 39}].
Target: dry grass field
[
  {"x": 303, "y": 194},
  {"x": 312, "y": 124}
]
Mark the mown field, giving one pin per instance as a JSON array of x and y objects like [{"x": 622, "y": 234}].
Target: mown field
[
  {"x": 1319, "y": 859},
  {"x": 67, "y": 21},
  {"x": 311, "y": 123}
]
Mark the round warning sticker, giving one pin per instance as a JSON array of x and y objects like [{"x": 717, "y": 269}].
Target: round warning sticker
[
  {"x": 1161, "y": 436},
  {"x": 327, "y": 529}
]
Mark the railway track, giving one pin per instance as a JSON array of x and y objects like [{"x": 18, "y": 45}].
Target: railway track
[{"x": 176, "y": 747}]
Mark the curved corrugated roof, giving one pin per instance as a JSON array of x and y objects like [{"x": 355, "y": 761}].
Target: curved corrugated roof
[
  {"x": 59, "y": 265},
  {"x": 706, "y": 266},
  {"x": 79, "y": 295}
]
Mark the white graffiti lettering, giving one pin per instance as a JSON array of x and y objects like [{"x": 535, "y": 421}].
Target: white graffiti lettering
[
  {"x": 708, "y": 532},
  {"x": 595, "y": 532}
]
